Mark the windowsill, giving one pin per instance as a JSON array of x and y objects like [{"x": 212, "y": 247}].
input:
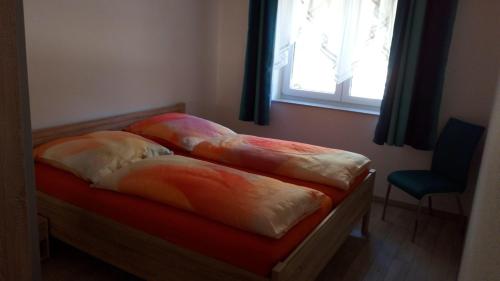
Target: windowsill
[{"x": 343, "y": 107}]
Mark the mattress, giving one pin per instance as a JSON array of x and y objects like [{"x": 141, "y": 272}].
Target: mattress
[{"x": 254, "y": 253}]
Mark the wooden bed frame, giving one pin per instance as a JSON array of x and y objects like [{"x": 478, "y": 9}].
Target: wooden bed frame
[{"x": 152, "y": 258}]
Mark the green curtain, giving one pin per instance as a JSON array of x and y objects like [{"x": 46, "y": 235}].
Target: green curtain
[
  {"x": 410, "y": 108},
  {"x": 256, "y": 97}
]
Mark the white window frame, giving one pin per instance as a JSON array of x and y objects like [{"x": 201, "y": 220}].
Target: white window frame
[{"x": 341, "y": 99}]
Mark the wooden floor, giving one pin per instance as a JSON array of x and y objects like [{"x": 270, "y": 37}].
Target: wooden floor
[{"x": 388, "y": 254}]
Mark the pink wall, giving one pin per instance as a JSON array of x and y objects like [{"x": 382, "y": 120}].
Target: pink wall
[
  {"x": 94, "y": 58},
  {"x": 468, "y": 94}
]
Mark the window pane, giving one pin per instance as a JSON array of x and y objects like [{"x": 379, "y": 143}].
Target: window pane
[
  {"x": 375, "y": 35},
  {"x": 342, "y": 40},
  {"x": 318, "y": 41},
  {"x": 369, "y": 77},
  {"x": 311, "y": 69}
]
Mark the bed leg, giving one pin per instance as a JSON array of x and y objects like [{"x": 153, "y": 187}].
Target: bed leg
[{"x": 365, "y": 223}]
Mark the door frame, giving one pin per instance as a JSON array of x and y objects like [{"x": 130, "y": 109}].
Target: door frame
[{"x": 19, "y": 248}]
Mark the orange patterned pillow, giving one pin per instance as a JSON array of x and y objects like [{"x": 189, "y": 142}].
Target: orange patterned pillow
[
  {"x": 98, "y": 154},
  {"x": 181, "y": 130}
]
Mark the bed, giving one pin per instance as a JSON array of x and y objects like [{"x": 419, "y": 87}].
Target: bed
[{"x": 150, "y": 257}]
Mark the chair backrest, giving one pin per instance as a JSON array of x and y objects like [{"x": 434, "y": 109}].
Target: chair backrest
[{"x": 454, "y": 150}]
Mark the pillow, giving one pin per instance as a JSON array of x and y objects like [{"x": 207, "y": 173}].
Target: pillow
[
  {"x": 97, "y": 154},
  {"x": 181, "y": 130}
]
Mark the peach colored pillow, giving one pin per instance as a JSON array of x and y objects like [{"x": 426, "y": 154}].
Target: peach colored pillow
[
  {"x": 181, "y": 130},
  {"x": 95, "y": 155}
]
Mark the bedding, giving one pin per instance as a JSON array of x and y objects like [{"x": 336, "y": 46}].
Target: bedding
[
  {"x": 255, "y": 253},
  {"x": 95, "y": 155},
  {"x": 301, "y": 161},
  {"x": 181, "y": 130},
  {"x": 210, "y": 141},
  {"x": 250, "y": 202}
]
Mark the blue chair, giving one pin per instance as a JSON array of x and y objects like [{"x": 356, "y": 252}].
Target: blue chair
[{"x": 450, "y": 166}]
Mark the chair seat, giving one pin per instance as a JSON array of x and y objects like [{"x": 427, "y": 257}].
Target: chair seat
[{"x": 419, "y": 183}]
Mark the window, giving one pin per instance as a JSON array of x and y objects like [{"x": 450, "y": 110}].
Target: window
[{"x": 335, "y": 52}]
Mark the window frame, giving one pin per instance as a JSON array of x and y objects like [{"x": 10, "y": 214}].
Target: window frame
[{"x": 341, "y": 99}]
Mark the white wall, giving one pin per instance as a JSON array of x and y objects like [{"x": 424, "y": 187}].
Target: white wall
[
  {"x": 481, "y": 260},
  {"x": 94, "y": 58},
  {"x": 468, "y": 94}
]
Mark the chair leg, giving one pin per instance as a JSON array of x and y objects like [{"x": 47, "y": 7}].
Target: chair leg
[
  {"x": 430, "y": 205},
  {"x": 416, "y": 221},
  {"x": 386, "y": 200}
]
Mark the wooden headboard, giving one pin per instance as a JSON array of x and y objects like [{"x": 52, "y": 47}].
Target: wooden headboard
[{"x": 109, "y": 123}]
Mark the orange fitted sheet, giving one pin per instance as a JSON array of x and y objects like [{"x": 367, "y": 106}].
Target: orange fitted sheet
[{"x": 254, "y": 253}]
